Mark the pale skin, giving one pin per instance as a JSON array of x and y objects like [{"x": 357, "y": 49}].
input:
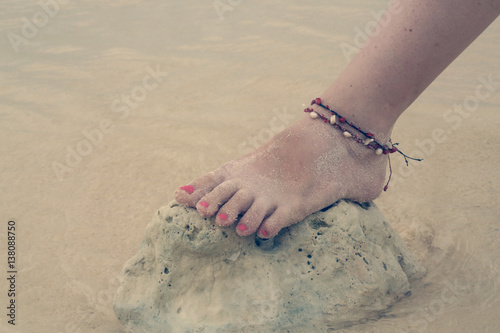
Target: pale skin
[{"x": 311, "y": 165}]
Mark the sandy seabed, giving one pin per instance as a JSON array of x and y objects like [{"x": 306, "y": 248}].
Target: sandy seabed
[{"x": 107, "y": 107}]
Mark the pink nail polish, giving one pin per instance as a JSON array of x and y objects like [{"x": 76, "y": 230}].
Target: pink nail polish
[
  {"x": 242, "y": 227},
  {"x": 264, "y": 233},
  {"x": 204, "y": 204},
  {"x": 188, "y": 188},
  {"x": 222, "y": 216}
]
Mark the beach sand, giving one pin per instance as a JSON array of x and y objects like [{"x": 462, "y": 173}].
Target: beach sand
[{"x": 84, "y": 166}]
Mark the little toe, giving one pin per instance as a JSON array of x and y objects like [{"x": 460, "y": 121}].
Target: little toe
[
  {"x": 234, "y": 207},
  {"x": 253, "y": 218},
  {"x": 190, "y": 194},
  {"x": 210, "y": 203},
  {"x": 278, "y": 220}
]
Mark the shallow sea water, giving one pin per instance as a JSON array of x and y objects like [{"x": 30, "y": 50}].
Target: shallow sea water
[{"x": 84, "y": 165}]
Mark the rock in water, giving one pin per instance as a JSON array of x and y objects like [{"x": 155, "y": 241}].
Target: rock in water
[{"x": 337, "y": 267}]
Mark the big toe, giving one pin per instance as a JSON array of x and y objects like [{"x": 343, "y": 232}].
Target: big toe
[{"x": 190, "y": 194}]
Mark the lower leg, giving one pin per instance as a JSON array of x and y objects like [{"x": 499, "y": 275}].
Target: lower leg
[{"x": 421, "y": 38}]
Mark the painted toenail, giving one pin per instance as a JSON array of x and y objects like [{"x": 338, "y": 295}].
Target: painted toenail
[
  {"x": 204, "y": 204},
  {"x": 264, "y": 233},
  {"x": 222, "y": 216},
  {"x": 242, "y": 227},
  {"x": 188, "y": 188}
]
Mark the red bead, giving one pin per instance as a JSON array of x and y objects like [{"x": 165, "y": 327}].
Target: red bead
[
  {"x": 393, "y": 150},
  {"x": 342, "y": 119},
  {"x": 327, "y": 107},
  {"x": 386, "y": 187},
  {"x": 370, "y": 135},
  {"x": 318, "y": 101},
  {"x": 385, "y": 152},
  {"x": 312, "y": 102}
]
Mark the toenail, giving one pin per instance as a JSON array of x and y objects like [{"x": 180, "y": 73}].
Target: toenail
[
  {"x": 222, "y": 216},
  {"x": 204, "y": 204},
  {"x": 264, "y": 233},
  {"x": 242, "y": 227},
  {"x": 188, "y": 188}
]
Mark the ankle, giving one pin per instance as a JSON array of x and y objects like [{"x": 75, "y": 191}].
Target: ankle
[
  {"x": 374, "y": 118},
  {"x": 321, "y": 110}
]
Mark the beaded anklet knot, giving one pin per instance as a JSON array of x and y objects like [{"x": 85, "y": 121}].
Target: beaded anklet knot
[{"x": 355, "y": 132}]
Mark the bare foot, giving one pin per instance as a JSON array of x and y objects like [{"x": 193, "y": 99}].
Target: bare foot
[{"x": 301, "y": 170}]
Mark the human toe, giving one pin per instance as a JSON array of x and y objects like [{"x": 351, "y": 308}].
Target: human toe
[
  {"x": 252, "y": 219},
  {"x": 234, "y": 207},
  {"x": 190, "y": 194},
  {"x": 210, "y": 203},
  {"x": 278, "y": 220}
]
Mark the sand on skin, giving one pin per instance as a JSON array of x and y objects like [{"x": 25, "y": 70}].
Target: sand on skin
[{"x": 231, "y": 84}]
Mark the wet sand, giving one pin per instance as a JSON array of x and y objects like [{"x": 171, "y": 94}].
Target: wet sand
[{"x": 106, "y": 108}]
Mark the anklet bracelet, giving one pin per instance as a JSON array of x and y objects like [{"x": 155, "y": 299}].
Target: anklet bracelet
[{"x": 363, "y": 137}]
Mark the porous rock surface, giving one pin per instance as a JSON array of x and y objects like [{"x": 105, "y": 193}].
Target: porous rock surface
[{"x": 337, "y": 267}]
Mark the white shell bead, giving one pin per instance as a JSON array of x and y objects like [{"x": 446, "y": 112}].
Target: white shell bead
[
  {"x": 333, "y": 119},
  {"x": 379, "y": 151},
  {"x": 347, "y": 134},
  {"x": 368, "y": 141},
  {"x": 313, "y": 115}
]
